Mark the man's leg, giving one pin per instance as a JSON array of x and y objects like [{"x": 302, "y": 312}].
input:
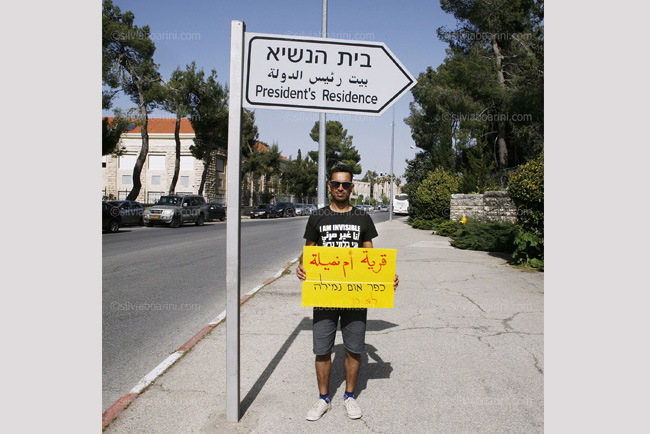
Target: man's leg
[
  {"x": 353, "y": 328},
  {"x": 324, "y": 331},
  {"x": 323, "y": 369},
  {"x": 352, "y": 363}
]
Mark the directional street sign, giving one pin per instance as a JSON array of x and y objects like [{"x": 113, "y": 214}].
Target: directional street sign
[{"x": 322, "y": 75}]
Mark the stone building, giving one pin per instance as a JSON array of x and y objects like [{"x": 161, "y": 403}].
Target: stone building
[
  {"x": 379, "y": 189},
  {"x": 158, "y": 170}
]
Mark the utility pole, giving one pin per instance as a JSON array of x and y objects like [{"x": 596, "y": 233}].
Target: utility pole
[{"x": 322, "y": 132}]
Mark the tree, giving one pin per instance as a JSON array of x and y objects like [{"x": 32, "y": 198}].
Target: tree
[
  {"x": 209, "y": 106},
  {"x": 262, "y": 162},
  {"x": 127, "y": 55},
  {"x": 416, "y": 170},
  {"x": 252, "y": 163},
  {"x": 176, "y": 99},
  {"x": 301, "y": 177},
  {"x": 111, "y": 133},
  {"x": 476, "y": 173},
  {"x": 338, "y": 146},
  {"x": 370, "y": 177},
  {"x": 489, "y": 88},
  {"x": 510, "y": 35}
]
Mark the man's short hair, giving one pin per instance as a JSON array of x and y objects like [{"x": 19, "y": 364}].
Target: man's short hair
[{"x": 340, "y": 167}]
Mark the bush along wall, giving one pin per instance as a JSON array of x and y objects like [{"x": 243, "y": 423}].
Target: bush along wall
[
  {"x": 433, "y": 197},
  {"x": 487, "y": 237},
  {"x": 526, "y": 189}
]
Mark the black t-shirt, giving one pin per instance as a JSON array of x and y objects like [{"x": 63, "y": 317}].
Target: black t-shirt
[{"x": 340, "y": 229}]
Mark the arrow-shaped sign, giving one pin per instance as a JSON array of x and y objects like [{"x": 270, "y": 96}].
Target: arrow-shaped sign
[{"x": 322, "y": 75}]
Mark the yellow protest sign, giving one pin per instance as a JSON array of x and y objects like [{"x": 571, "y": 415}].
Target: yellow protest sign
[{"x": 348, "y": 277}]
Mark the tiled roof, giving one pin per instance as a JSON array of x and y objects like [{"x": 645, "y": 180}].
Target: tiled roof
[
  {"x": 163, "y": 126},
  {"x": 167, "y": 125}
]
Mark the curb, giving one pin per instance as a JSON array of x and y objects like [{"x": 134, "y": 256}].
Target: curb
[{"x": 125, "y": 400}]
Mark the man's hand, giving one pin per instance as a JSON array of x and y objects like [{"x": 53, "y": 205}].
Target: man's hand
[
  {"x": 396, "y": 282},
  {"x": 300, "y": 272}
]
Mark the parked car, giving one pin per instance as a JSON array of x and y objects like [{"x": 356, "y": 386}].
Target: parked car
[
  {"x": 111, "y": 219},
  {"x": 216, "y": 212},
  {"x": 311, "y": 208},
  {"x": 285, "y": 209},
  {"x": 264, "y": 211},
  {"x": 174, "y": 210},
  {"x": 301, "y": 209},
  {"x": 383, "y": 208},
  {"x": 130, "y": 210}
]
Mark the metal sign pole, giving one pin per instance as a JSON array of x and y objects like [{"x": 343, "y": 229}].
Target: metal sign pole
[
  {"x": 392, "y": 153},
  {"x": 233, "y": 224},
  {"x": 322, "y": 133}
]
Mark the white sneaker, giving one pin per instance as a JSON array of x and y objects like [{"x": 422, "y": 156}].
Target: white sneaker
[
  {"x": 351, "y": 406},
  {"x": 318, "y": 410}
]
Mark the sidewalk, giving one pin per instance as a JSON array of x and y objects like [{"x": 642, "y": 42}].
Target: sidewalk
[{"x": 462, "y": 351}]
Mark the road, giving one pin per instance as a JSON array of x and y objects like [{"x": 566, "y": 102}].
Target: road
[{"x": 162, "y": 285}]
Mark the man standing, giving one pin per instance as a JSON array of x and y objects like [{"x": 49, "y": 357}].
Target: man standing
[{"x": 338, "y": 225}]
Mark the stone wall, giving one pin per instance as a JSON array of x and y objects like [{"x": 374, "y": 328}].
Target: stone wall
[{"x": 492, "y": 206}]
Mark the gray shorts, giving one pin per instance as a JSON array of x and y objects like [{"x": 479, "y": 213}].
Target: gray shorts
[{"x": 353, "y": 329}]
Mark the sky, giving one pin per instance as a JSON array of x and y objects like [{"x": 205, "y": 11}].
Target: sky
[{"x": 200, "y": 31}]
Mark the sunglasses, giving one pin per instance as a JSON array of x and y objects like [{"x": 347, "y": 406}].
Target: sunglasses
[{"x": 336, "y": 184}]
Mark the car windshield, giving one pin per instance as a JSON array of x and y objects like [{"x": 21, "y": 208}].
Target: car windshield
[
  {"x": 170, "y": 200},
  {"x": 262, "y": 207}
]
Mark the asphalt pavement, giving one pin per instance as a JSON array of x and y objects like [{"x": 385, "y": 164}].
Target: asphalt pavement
[{"x": 462, "y": 351}]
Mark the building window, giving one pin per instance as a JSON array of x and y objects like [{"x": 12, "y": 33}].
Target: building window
[
  {"x": 185, "y": 181},
  {"x": 103, "y": 160},
  {"x": 155, "y": 179},
  {"x": 187, "y": 162},
  {"x": 127, "y": 161},
  {"x": 156, "y": 162},
  {"x": 220, "y": 164},
  {"x": 126, "y": 179}
]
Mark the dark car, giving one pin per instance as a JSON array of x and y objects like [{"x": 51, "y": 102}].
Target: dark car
[
  {"x": 285, "y": 209},
  {"x": 111, "y": 219},
  {"x": 216, "y": 212},
  {"x": 130, "y": 210},
  {"x": 264, "y": 211}
]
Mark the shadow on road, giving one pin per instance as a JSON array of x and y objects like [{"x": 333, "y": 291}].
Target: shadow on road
[{"x": 369, "y": 370}]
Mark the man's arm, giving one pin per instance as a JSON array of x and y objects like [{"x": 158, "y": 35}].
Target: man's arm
[{"x": 300, "y": 270}]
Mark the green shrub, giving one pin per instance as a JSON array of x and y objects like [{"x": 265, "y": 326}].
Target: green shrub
[
  {"x": 428, "y": 225},
  {"x": 433, "y": 197},
  {"x": 448, "y": 228},
  {"x": 526, "y": 189},
  {"x": 529, "y": 250},
  {"x": 487, "y": 237},
  {"x": 422, "y": 224}
]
